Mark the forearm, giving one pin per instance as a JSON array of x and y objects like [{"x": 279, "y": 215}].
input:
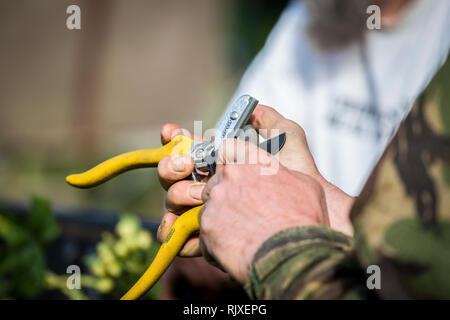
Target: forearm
[{"x": 306, "y": 263}]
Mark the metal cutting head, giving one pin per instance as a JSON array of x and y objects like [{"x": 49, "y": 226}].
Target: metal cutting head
[{"x": 229, "y": 126}]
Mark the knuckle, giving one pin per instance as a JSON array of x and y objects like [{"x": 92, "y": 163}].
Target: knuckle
[
  {"x": 229, "y": 172},
  {"x": 266, "y": 111},
  {"x": 263, "y": 113},
  {"x": 298, "y": 128},
  {"x": 174, "y": 194},
  {"x": 206, "y": 225},
  {"x": 164, "y": 171},
  {"x": 314, "y": 187},
  {"x": 216, "y": 193},
  {"x": 161, "y": 169}
]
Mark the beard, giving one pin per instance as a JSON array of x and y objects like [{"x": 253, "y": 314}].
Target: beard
[{"x": 335, "y": 24}]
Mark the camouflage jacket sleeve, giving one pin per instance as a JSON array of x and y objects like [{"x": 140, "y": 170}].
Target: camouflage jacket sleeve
[
  {"x": 319, "y": 263},
  {"x": 306, "y": 263}
]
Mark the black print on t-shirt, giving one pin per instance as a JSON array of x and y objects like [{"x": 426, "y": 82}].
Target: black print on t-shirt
[{"x": 363, "y": 119}]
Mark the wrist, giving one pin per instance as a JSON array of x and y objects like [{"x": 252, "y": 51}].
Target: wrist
[{"x": 339, "y": 205}]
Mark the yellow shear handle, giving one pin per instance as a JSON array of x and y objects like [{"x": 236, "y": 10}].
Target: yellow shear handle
[
  {"x": 127, "y": 161},
  {"x": 183, "y": 227},
  {"x": 180, "y": 231}
]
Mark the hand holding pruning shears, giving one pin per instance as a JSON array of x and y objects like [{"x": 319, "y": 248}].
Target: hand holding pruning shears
[
  {"x": 184, "y": 194},
  {"x": 204, "y": 155},
  {"x": 253, "y": 205}
]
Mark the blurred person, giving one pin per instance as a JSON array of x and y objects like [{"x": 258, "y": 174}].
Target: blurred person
[
  {"x": 277, "y": 235},
  {"x": 349, "y": 87}
]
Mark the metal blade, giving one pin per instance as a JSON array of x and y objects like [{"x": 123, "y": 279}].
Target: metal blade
[{"x": 273, "y": 145}]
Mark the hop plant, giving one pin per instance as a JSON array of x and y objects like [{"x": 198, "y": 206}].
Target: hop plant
[{"x": 121, "y": 258}]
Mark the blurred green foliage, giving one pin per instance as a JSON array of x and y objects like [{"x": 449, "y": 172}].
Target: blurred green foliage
[
  {"x": 249, "y": 23},
  {"x": 22, "y": 254},
  {"x": 119, "y": 261},
  {"x": 122, "y": 258}
]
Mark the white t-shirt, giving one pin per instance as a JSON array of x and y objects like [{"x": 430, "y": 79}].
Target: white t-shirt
[{"x": 350, "y": 102}]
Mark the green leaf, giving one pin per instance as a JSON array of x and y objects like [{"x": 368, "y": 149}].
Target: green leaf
[
  {"x": 41, "y": 221},
  {"x": 24, "y": 267},
  {"x": 30, "y": 277},
  {"x": 11, "y": 232}
]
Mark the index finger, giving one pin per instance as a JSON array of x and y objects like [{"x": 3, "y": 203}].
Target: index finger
[
  {"x": 266, "y": 119},
  {"x": 241, "y": 152}
]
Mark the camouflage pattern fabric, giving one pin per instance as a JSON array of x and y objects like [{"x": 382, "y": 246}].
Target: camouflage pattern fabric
[{"x": 401, "y": 222}]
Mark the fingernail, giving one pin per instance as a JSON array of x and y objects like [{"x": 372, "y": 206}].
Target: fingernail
[
  {"x": 196, "y": 191},
  {"x": 177, "y": 163}
]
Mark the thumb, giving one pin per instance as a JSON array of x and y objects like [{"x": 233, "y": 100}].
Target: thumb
[
  {"x": 268, "y": 122},
  {"x": 295, "y": 154}
]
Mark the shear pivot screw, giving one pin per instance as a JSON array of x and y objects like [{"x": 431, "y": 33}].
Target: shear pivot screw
[{"x": 234, "y": 115}]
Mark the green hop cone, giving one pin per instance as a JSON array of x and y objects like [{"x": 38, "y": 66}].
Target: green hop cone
[
  {"x": 127, "y": 226},
  {"x": 105, "y": 285},
  {"x": 121, "y": 249},
  {"x": 143, "y": 240}
]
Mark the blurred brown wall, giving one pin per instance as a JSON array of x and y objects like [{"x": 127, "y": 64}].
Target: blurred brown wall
[{"x": 134, "y": 66}]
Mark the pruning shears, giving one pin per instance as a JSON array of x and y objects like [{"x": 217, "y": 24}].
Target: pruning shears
[{"x": 204, "y": 155}]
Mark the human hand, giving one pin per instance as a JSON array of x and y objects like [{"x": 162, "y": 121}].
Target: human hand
[
  {"x": 244, "y": 207},
  {"x": 295, "y": 155},
  {"x": 184, "y": 194}
]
